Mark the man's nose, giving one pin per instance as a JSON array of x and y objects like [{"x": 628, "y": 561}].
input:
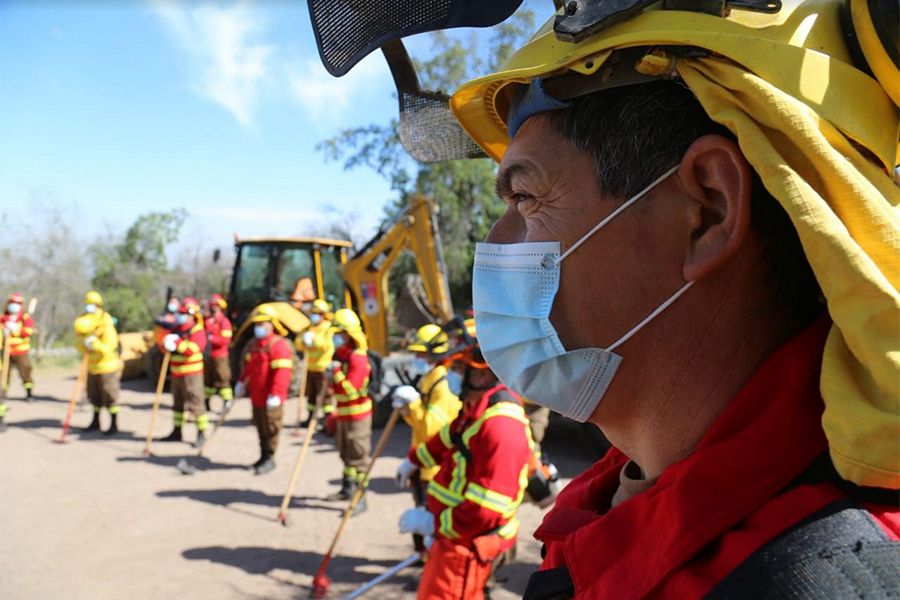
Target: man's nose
[{"x": 509, "y": 228}]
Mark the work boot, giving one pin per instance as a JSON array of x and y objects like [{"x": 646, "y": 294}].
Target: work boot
[
  {"x": 360, "y": 507},
  {"x": 95, "y": 424},
  {"x": 28, "y": 394},
  {"x": 2, "y": 425},
  {"x": 201, "y": 439},
  {"x": 175, "y": 436},
  {"x": 207, "y": 404},
  {"x": 226, "y": 407},
  {"x": 113, "y": 425},
  {"x": 262, "y": 458},
  {"x": 266, "y": 466},
  {"x": 346, "y": 491}
]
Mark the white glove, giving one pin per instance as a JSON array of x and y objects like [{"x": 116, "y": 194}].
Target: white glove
[
  {"x": 308, "y": 339},
  {"x": 273, "y": 401},
  {"x": 13, "y": 327},
  {"x": 417, "y": 520},
  {"x": 405, "y": 472},
  {"x": 240, "y": 389},
  {"x": 403, "y": 396},
  {"x": 170, "y": 342},
  {"x": 89, "y": 341}
]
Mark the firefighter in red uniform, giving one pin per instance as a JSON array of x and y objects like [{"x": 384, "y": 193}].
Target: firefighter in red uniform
[
  {"x": 17, "y": 328},
  {"x": 187, "y": 344},
  {"x": 267, "y": 376},
  {"x": 472, "y": 501},
  {"x": 350, "y": 381},
  {"x": 217, "y": 370}
]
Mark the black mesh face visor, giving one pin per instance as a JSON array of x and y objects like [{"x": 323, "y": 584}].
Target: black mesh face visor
[{"x": 348, "y": 30}]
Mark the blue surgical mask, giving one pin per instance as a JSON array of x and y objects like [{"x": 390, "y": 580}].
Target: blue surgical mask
[
  {"x": 90, "y": 308},
  {"x": 315, "y": 318},
  {"x": 455, "y": 382},
  {"x": 260, "y": 332},
  {"x": 13, "y": 308},
  {"x": 513, "y": 288},
  {"x": 338, "y": 341},
  {"x": 181, "y": 319},
  {"x": 172, "y": 307},
  {"x": 419, "y": 366}
]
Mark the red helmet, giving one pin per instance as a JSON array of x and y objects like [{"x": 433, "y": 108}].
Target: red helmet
[
  {"x": 217, "y": 299},
  {"x": 17, "y": 298},
  {"x": 189, "y": 306}
]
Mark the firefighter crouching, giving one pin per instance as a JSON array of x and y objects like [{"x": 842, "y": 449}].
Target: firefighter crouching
[
  {"x": 483, "y": 458},
  {"x": 18, "y": 327},
  {"x": 266, "y": 375},
  {"x": 317, "y": 346},
  {"x": 217, "y": 369},
  {"x": 431, "y": 405},
  {"x": 186, "y": 345},
  {"x": 97, "y": 337},
  {"x": 350, "y": 381}
]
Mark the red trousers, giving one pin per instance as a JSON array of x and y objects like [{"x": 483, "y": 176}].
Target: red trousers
[{"x": 454, "y": 571}]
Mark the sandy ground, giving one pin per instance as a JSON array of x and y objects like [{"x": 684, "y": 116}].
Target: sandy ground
[{"x": 94, "y": 518}]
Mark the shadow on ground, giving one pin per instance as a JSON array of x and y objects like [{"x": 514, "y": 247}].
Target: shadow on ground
[
  {"x": 201, "y": 463},
  {"x": 257, "y": 560}
]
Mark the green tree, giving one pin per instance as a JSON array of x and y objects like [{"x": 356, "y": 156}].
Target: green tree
[
  {"x": 130, "y": 273},
  {"x": 462, "y": 189}
]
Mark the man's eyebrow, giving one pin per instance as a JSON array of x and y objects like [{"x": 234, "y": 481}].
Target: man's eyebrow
[{"x": 503, "y": 184}]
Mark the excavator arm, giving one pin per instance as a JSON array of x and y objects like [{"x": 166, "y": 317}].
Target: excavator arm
[{"x": 366, "y": 274}]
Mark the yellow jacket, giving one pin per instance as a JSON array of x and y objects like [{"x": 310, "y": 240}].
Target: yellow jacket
[
  {"x": 321, "y": 351},
  {"x": 436, "y": 407},
  {"x": 103, "y": 357}
]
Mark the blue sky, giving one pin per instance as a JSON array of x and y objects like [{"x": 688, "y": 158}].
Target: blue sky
[{"x": 119, "y": 108}]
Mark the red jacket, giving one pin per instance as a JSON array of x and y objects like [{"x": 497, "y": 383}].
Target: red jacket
[
  {"x": 188, "y": 356},
  {"x": 219, "y": 331},
  {"x": 267, "y": 370},
  {"x": 478, "y": 494},
  {"x": 709, "y": 512},
  {"x": 350, "y": 384},
  {"x": 20, "y": 342}
]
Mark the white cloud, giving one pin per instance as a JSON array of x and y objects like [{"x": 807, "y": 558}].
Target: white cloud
[
  {"x": 230, "y": 65},
  {"x": 325, "y": 97}
]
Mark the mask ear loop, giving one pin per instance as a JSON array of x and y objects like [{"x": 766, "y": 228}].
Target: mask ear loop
[
  {"x": 651, "y": 316},
  {"x": 615, "y": 213}
]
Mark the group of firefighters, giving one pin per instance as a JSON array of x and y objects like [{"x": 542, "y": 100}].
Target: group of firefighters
[{"x": 472, "y": 458}]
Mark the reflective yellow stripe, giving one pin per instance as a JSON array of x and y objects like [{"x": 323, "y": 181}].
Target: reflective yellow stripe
[
  {"x": 443, "y": 495},
  {"x": 186, "y": 345},
  {"x": 187, "y": 368},
  {"x": 338, "y": 377},
  {"x": 501, "y": 409},
  {"x": 281, "y": 363},
  {"x": 439, "y": 413},
  {"x": 458, "y": 477},
  {"x": 227, "y": 333},
  {"x": 445, "y": 437},
  {"x": 446, "y": 521},
  {"x": 509, "y": 529},
  {"x": 425, "y": 457},
  {"x": 354, "y": 409},
  {"x": 491, "y": 500}
]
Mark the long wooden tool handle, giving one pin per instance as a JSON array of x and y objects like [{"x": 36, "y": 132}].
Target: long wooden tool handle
[
  {"x": 361, "y": 488},
  {"x": 4, "y": 373},
  {"x": 76, "y": 393},
  {"x": 160, "y": 384},
  {"x": 310, "y": 430}
]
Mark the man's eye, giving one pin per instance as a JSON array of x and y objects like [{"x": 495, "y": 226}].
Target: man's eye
[{"x": 516, "y": 198}]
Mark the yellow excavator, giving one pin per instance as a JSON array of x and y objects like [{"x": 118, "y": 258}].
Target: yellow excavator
[{"x": 289, "y": 272}]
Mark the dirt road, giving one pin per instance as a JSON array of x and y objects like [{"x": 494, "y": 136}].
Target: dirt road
[{"x": 95, "y": 519}]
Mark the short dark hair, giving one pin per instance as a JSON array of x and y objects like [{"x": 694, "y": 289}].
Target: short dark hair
[{"x": 636, "y": 133}]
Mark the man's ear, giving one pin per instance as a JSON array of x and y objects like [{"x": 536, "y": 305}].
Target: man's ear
[{"x": 718, "y": 181}]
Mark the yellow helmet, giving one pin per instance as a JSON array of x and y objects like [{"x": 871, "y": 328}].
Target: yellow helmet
[
  {"x": 431, "y": 339},
  {"x": 320, "y": 306},
  {"x": 800, "y": 50},
  {"x": 85, "y": 325},
  {"x": 347, "y": 321},
  {"x": 93, "y": 297},
  {"x": 267, "y": 314}
]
